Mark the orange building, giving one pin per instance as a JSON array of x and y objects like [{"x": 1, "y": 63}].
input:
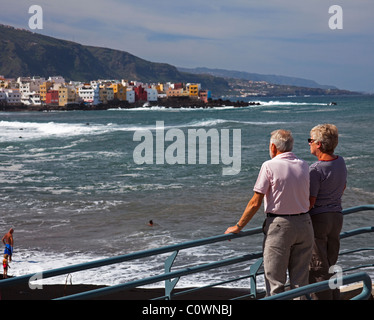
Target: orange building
[
  {"x": 194, "y": 90},
  {"x": 44, "y": 88},
  {"x": 66, "y": 95},
  {"x": 119, "y": 91}
]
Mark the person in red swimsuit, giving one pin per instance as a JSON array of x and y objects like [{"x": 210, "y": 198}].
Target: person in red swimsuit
[{"x": 5, "y": 266}]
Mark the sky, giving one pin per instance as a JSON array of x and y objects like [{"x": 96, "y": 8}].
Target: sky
[{"x": 289, "y": 37}]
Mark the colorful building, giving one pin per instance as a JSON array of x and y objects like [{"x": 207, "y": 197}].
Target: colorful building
[
  {"x": 130, "y": 95},
  {"x": 176, "y": 93},
  {"x": 34, "y": 90},
  {"x": 10, "y": 96},
  {"x": 44, "y": 88},
  {"x": 66, "y": 95},
  {"x": 119, "y": 91},
  {"x": 194, "y": 90},
  {"x": 140, "y": 94},
  {"x": 52, "y": 97},
  {"x": 32, "y": 98},
  {"x": 89, "y": 94},
  {"x": 106, "y": 94},
  {"x": 152, "y": 94}
]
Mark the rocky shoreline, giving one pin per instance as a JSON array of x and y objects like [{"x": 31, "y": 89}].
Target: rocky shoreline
[{"x": 176, "y": 103}]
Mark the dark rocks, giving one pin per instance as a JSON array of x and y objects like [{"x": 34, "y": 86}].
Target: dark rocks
[{"x": 176, "y": 103}]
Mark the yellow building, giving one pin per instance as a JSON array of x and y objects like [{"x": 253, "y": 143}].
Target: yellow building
[
  {"x": 194, "y": 90},
  {"x": 176, "y": 93},
  {"x": 160, "y": 88},
  {"x": 106, "y": 93},
  {"x": 119, "y": 91},
  {"x": 66, "y": 95},
  {"x": 44, "y": 89}
]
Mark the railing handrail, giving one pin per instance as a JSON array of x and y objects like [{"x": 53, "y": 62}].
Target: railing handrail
[
  {"x": 130, "y": 256},
  {"x": 166, "y": 249},
  {"x": 161, "y": 277},
  {"x": 358, "y": 208},
  {"x": 325, "y": 285}
]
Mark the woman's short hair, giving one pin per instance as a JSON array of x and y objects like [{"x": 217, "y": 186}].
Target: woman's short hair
[
  {"x": 327, "y": 135},
  {"x": 282, "y": 139}
]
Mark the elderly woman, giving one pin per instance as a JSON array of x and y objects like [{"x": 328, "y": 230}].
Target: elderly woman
[{"x": 328, "y": 178}]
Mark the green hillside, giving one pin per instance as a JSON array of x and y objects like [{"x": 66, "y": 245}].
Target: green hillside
[{"x": 24, "y": 53}]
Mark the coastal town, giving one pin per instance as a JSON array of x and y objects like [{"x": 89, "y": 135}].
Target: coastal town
[{"x": 55, "y": 91}]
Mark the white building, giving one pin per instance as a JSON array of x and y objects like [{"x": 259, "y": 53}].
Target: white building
[
  {"x": 89, "y": 94},
  {"x": 34, "y": 81},
  {"x": 30, "y": 89},
  {"x": 57, "y": 80},
  {"x": 152, "y": 94},
  {"x": 12, "y": 96},
  {"x": 2, "y": 97},
  {"x": 32, "y": 98},
  {"x": 130, "y": 96},
  {"x": 26, "y": 88}
]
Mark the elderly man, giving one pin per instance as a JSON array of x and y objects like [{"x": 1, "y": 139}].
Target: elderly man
[{"x": 283, "y": 183}]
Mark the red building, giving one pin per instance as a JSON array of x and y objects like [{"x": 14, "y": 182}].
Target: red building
[
  {"x": 51, "y": 97},
  {"x": 140, "y": 94},
  {"x": 178, "y": 86}
]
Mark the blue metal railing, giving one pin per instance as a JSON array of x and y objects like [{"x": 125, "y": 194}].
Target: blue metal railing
[
  {"x": 168, "y": 275},
  {"x": 325, "y": 285}
]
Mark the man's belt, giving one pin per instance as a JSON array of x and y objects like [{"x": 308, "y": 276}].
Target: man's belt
[{"x": 273, "y": 215}]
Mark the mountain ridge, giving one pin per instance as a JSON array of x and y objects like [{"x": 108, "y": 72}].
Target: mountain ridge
[
  {"x": 26, "y": 53},
  {"x": 270, "y": 78}
]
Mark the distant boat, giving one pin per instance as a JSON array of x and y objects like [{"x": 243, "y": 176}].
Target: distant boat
[{"x": 332, "y": 104}]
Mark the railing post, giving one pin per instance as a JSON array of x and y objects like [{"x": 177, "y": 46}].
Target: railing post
[
  {"x": 253, "y": 275},
  {"x": 170, "y": 284}
]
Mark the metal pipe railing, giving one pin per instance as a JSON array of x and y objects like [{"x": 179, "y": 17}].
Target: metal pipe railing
[
  {"x": 129, "y": 257},
  {"x": 171, "y": 275},
  {"x": 325, "y": 285},
  {"x": 167, "y": 249}
]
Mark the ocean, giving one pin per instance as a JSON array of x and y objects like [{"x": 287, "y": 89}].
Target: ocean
[{"x": 82, "y": 185}]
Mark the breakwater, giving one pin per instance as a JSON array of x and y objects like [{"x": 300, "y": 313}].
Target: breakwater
[{"x": 177, "y": 103}]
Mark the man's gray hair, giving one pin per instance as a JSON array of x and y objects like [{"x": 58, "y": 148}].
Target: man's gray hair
[{"x": 282, "y": 139}]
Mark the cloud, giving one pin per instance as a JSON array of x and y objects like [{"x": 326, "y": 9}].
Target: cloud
[{"x": 282, "y": 37}]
